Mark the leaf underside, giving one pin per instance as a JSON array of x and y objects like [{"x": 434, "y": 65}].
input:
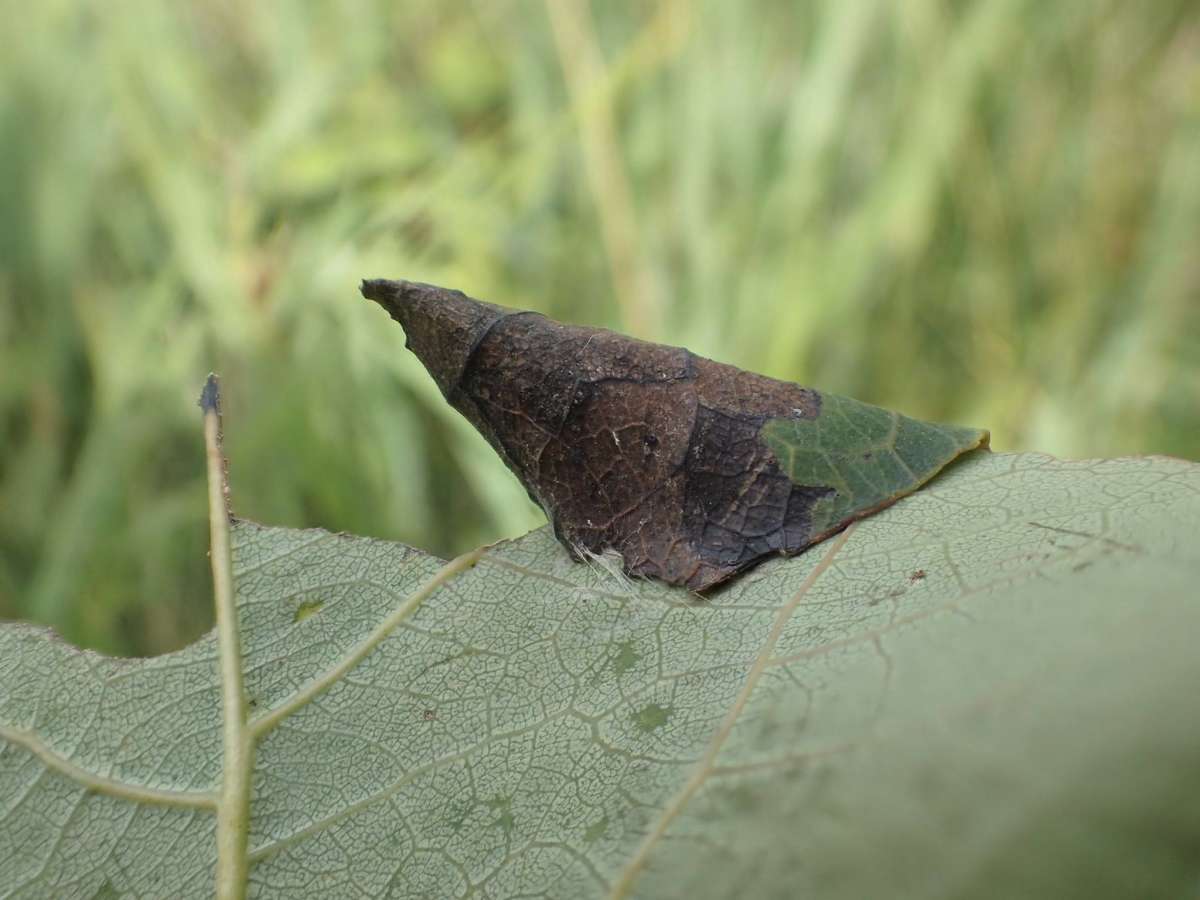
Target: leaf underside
[
  {"x": 690, "y": 470},
  {"x": 988, "y": 689}
]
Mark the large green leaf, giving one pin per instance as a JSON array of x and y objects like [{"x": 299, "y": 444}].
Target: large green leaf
[{"x": 988, "y": 689}]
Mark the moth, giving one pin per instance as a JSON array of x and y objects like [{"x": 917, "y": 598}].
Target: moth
[{"x": 691, "y": 470}]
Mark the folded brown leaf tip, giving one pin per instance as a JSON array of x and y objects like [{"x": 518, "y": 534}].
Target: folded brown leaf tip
[{"x": 690, "y": 469}]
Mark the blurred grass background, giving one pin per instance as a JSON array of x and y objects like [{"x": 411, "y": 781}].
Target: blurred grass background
[{"x": 982, "y": 212}]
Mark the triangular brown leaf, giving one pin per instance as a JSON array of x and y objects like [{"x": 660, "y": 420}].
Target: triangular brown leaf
[{"x": 690, "y": 469}]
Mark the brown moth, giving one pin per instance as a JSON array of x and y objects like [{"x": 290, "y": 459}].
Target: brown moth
[{"x": 690, "y": 469}]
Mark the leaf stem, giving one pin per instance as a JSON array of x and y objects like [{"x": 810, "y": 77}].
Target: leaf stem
[
  {"x": 239, "y": 734},
  {"x": 233, "y": 806}
]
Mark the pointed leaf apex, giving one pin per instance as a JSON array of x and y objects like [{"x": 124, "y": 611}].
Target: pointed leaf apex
[{"x": 441, "y": 327}]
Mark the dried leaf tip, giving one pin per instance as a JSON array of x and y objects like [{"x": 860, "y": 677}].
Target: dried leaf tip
[
  {"x": 210, "y": 396},
  {"x": 378, "y": 289},
  {"x": 442, "y": 327}
]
